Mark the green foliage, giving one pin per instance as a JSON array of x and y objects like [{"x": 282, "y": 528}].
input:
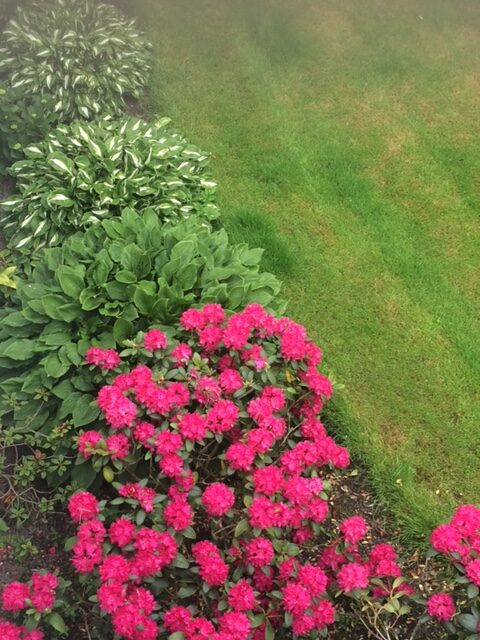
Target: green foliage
[
  {"x": 87, "y": 172},
  {"x": 23, "y": 119},
  {"x": 83, "y": 53},
  {"x": 102, "y": 287}
]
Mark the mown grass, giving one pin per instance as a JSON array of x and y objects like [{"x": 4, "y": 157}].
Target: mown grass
[{"x": 345, "y": 137}]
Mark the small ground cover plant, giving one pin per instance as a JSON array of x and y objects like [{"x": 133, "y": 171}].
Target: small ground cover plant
[
  {"x": 85, "y": 54},
  {"x": 87, "y": 172}
]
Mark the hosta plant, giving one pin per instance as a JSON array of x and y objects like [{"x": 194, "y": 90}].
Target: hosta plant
[
  {"x": 83, "y": 53},
  {"x": 458, "y": 607},
  {"x": 220, "y": 526},
  {"x": 23, "y": 120},
  {"x": 102, "y": 287},
  {"x": 87, "y": 172}
]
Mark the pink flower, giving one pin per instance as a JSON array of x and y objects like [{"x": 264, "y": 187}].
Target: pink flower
[
  {"x": 121, "y": 531},
  {"x": 210, "y": 338},
  {"x": 352, "y": 576},
  {"x": 178, "y": 514},
  {"x": 473, "y": 571},
  {"x": 215, "y": 572},
  {"x": 87, "y": 443},
  {"x": 192, "y": 319},
  {"x": 181, "y": 353},
  {"x": 222, "y": 416},
  {"x": 119, "y": 411},
  {"x": 445, "y": 539},
  {"x": 467, "y": 520},
  {"x": 259, "y": 552},
  {"x": 235, "y": 625},
  {"x": 118, "y": 446},
  {"x": 296, "y": 599},
  {"x": 111, "y": 595},
  {"x": 207, "y": 391},
  {"x": 267, "y": 480},
  {"x": 14, "y": 596},
  {"x": 143, "y": 433},
  {"x": 104, "y": 358},
  {"x": 218, "y": 499},
  {"x": 43, "y": 591},
  {"x": 213, "y": 313},
  {"x": 302, "y": 624},
  {"x": 167, "y": 442},
  {"x": 382, "y": 552},
  {"x": 144, "y": 495},
  {"x": 241, "y": 597},
  {"x": 230, "y": 380},
  {"x": 441, "y": 606},
  {"x": 82, "y": 506},
  {"x": 114, "y": 567},
  {"x": 313, "y": 579},
  {"x": 171, "y": 465},
  {"x": 354, "y": 529},
  {"x": 192, "y": 426},
  {"x": 154, "y": 339},
  {"x": 176, "y": 619},
  {"x": 240, "y": 456},
  {"x": 323, "y": 614}
]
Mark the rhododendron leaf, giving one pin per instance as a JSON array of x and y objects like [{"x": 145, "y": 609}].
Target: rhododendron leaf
[
  {"x": 181, "y": 562},
  {"x": 241, "y": 527},
  {"x": 186, "y": 592},
  {"x": 70, "y": 543},
  {"x": 292, "y": 549},
  {"x": 178, "y": 635},
  {"x": 389, "y": 607},
  {"x": 468, "y": 621},
  {"x": 55, "y": 620},
  {"x": 472, "y": 591},
  {"x": 140, "y": 517},
  {"x": 269, "y": 631},
  {"x": 257, "y": 620},
  {"x": 190, "y": 533},
  {"x": 82, "y": 474}
]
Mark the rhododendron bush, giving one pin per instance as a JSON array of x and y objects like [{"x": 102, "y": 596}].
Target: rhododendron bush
[
  {"x": 459, "y": 543},
  {"x": 219, "y": 524}
]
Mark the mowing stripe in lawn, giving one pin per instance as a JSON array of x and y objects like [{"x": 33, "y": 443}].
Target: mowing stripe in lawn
[{"x": 345, "y": 142}]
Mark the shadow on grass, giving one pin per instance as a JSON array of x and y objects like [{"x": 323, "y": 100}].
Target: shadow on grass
[{"x": 253, "y": 227}]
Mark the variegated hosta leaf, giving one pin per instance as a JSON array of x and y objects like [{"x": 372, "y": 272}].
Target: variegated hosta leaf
[
  {"x": 90, "y": 171},
  {"x": 83, "y": 53}
]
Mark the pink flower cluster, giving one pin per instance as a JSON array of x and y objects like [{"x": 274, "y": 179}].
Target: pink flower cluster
[
  {"x": 11, "y": 631},
  {"x": 104, "y": 358},
  {"x": 459, "y": 541},
  {"x": 38, "y": 593}
]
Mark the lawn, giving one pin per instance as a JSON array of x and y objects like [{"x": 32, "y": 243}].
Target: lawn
[{"x": 346, "y": 142}]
